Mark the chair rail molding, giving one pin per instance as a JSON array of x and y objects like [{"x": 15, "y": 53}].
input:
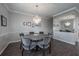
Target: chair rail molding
[{"x": 71, "y": 9}]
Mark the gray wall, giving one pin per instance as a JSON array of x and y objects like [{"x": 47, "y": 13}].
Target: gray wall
[
  {"x": 69, "y": 37},
  {"x": 16, "y": 25},
  {"x": 3, "y": 30}
]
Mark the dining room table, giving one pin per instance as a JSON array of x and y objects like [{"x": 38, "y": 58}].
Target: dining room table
[{"x": 36, "y": 38}]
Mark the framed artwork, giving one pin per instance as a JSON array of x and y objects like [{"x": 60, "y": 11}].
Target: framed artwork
[
  {"x": 3, "y": 21},
  {"x": 30, "y": 24},
  {"x": 27, "y": 23}
]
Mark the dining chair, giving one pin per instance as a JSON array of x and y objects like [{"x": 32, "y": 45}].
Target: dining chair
[
  {"x": 31, "y": 33},
  {"x": 41, "y": 32},
  {"x": 26, "y": 44},
  {"x": 21, "y": 36},
  {"x": 45, "y": 44}
]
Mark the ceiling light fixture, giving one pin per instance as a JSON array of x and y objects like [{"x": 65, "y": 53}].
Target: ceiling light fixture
[
  {"x": 37, "y": 19},
  {"x": 67, "y": 24}
]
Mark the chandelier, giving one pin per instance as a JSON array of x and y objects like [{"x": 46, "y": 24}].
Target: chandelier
[
  {"x": 37, "y": 19},
  {"x": 67, "y": 24}
]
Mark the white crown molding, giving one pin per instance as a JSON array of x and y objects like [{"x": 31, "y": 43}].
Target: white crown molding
[
  {"x": 5, "y": 6},
  {"x": 15, "y": 11},
  {"x": 76, "y": 9},
  {"x": 71, "y": 9},
  {"x": 30, "y": 14},
  {"x": 19, "y": 12}
]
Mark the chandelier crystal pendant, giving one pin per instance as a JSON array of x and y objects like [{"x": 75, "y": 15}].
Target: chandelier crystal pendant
[
  {"x": 36, "y": 19},
  {"x": 67, "y": 24}
]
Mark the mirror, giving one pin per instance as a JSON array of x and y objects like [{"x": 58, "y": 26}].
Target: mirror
[{"x": 67, "y": 25}]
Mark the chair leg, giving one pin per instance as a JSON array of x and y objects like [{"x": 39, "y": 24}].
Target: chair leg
[
  {"x": 29, "y": 52},
  {"x": 22, "y": 51},
  {"x": 20, "y": 46},
  {"x": 43, "y": 52},
  {"x": 50, "y": 47}
]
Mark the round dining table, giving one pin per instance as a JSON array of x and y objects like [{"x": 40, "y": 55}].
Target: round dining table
[{"x": 36, "y": 38}]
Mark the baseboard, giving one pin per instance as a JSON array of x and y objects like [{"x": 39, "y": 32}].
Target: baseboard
[
  {"x": 7, "y": 45},
  {"x": 14, "y": 41},
  {"x": 19, "y": 40},
  {"x": 72, "y": 43},
  {"x": 4, "y": 48}
]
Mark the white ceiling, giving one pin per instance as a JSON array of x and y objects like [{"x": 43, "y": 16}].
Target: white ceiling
[{"x": 43, "y": 9}]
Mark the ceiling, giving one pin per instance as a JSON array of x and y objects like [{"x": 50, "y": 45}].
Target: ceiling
[{"x": 43, "y": 9}]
